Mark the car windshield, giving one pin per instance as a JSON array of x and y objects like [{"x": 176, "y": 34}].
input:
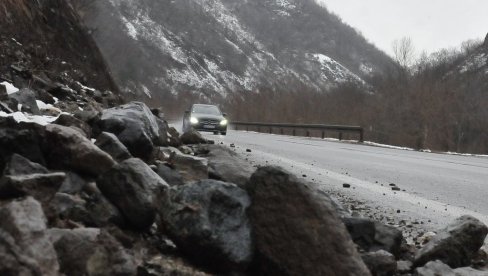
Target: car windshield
[{"x": 206, "y": 109}]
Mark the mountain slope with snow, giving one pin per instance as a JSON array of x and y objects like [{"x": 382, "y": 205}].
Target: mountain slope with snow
[{"x": 211, "y": 48}]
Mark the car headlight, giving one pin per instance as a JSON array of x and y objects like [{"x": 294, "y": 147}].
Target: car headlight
[
  {"x": 223, "y": 122},
  {"x": 193, "y": 120}
]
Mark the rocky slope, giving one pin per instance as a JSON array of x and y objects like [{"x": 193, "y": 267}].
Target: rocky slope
[
  {"x": 210, "y": 48},
  {"x": 46, "y": 38}
]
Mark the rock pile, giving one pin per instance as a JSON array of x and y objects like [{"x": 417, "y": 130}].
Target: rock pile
[{"x": 116, "y": 192}]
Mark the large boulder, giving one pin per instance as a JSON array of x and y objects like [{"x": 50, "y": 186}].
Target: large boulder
[
  {"x": 226, "y": 165},
  {"x": 66, "y": 148},
  {"x": 434, "y": 268},
  {"x": 192, "y": 137},
  {"x": 109, "y": 143},
  {"x": 90, "y": 251},
  {"x": 295, "y": 232},
  {"x": 135, "y": 126},
  {"x": 191, "y": 168},
  {"x": 26, "y": 99},
  {"x": 380, "y": 263},
  {"x": 74, "y": 123},
  {"x": 372, "y": 235},
  {"x": 21, "y": 138},
  {"x": 42, "y": 187},
  {"x": 170, "y": 175},
  {"x": 207, "y": 220},
  {"x": 136, "y": 190},
  {"x": 19, "y": 165},
  {"x": 456, "y": 244},
  {"x": 25, "y": 249}
]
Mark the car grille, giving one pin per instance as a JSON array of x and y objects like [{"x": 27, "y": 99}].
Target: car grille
[{"x": 209, "y": 122}]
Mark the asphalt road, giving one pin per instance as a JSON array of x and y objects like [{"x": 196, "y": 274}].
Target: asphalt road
[{"x": 437, "y": 187}]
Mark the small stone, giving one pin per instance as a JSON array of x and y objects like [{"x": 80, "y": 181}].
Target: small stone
[
  {"x": 395, "y": 189},
  {"x": 248, "y": 150},
  {"x": 232, "y": 145},
  {"x": 345, "y": 185}
]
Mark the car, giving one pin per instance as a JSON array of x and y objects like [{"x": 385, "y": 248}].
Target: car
[{"x": 205, "y": 117}]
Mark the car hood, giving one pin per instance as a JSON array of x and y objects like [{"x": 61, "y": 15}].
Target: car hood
[{"x": 207, "y": 116}]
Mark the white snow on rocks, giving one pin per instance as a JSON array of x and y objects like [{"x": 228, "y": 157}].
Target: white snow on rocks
[
  {"x": 10, "y": 88},
  {"x": 28, "y": 118},
  {"x": 338, "y": 72}
]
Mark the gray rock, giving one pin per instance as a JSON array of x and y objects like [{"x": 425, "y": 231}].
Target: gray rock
[
  {"x": 434, "y": 268},
  {"x": 109, "y": 143},
  {"x": 135, "y": 126},
  {"x": 456, "y": 244},
  {"x": 226, "y": 165},
  {"x": 380, "y": 263},
  {"x": 191, "y": 168},
  {"x": 186, "y": 150},
  {"x": 66, "y": 148},
  {"x": 404, "y": 267},
  {"x": 90, "y": 251},
  {"x": 387, "y": 238},
  {"x": 469, "y": 271},
  {"x": 173, "y": 137},
  {"x": 19, "y": 165},
  {"x": 295, "y": 231},
  {"x": 3, "y": 92},
  {"x": 72, "y": 184},
  {"x": 136, "y": 190},
  {"x": 23, "y": 139},
  {"x": 26, "y": 98},
  {"x": 23, "y": 240},
  {"x": 75, "y": 123},
  {"x": 171, "y": 176},
  {"x": 42, "y": 187},
  {"x": 207, "y": 220},
  {"x": 192, "y": 137}
]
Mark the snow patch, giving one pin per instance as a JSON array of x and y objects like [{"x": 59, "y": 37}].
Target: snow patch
[
  {"x": 28, "y": 118},
  {"x": 332, "y": 68},
  {"x": 10, "y": 88},
  {"x": 146, "y": 91}
]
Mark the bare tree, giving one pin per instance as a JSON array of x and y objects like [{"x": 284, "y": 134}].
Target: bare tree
[{"x": 404, "y": 51}]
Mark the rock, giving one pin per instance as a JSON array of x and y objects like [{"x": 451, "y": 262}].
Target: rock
[
  {"x": 66, "y": 148},
  {"x": 25, "y": 249},
  {"x": 371, "y": 235},
  {"x": 109, "y": 143},
  {"x": 62, "y": 92},
  {"x": 92, "y": 118},
  {"x": 186, "y": 150},
  {"x": 76, "y": 124},
  {"x": 42, "y": 187},
  {"x": 192, "y": 137},
  {"x": 190, "y": 167},
  {"x": 456, "y": 244},
  {"x": 90, "y": 251},
  {"x": 169, "y": 265},
  {"x": 404, "y": 267},
  {"x": 23, "y": 139},
  {"x": 3, "y": 92},
  {"x": 26, "y": 98},
  {"x": 486, "y": 41},
  {"x": 380, "y": 263},
  {"x": 345, "y": 185},
  {"x": 248, "y": 150},
  {"x": 174, "y": 137},
  {"x": 19, "y": 165},
  {"x": 207, "y": 220},
  {"x": 136, "y": 190},
  {"x": 395, "y": 189},
  {"x": 387, "y": 238},
  {"x": 171, "y": 176},
  {"x": 434, "y": 268},
  {"x": 294, "y": 231},
  {"x": 72, "y": 184},
  {"x": 469, "y": 271},
  {"x": 362, "y": 231},
  {"x": 163, "y": 137},
  {"x": 226, "y": 165},
  {"x": 135, "y": 126}
]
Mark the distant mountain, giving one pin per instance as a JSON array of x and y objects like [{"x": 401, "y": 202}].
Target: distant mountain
[{"x": 162, "y": 48}]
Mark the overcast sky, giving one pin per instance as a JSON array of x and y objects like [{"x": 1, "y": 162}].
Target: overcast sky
[{"x": 432, "y": 24}]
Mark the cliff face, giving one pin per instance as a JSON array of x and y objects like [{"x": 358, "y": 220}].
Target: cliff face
[
  {"x": 46, "y": 37},
  {"x": 210, "y": 48}
]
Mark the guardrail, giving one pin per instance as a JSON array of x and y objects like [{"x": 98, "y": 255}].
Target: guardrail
[{"x": 307, "y": 127}]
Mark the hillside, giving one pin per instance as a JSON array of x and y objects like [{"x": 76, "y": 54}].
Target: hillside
[
  {"x": 211, "y": 48},
  {"x": 46, "y": 38}
]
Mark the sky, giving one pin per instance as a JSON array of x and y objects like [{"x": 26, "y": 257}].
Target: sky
[{"x": 431, "y": 24}]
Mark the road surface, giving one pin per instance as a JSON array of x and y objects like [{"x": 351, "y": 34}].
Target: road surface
[{"x": 437, "y": 187}]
